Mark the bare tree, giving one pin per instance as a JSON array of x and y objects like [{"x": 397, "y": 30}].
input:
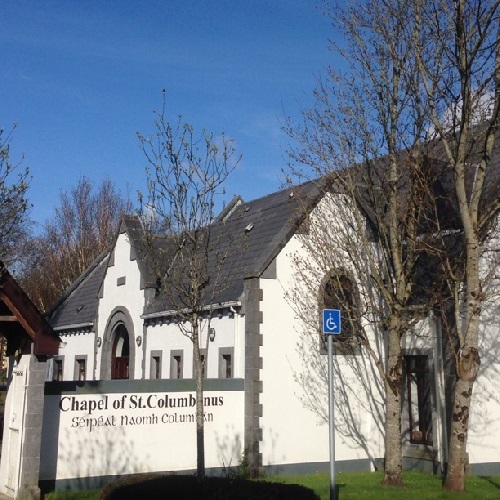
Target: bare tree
[
  {"x": 83, "y": 226},
  {"x": 14, "y": 206},
  {"x": 185, "y": 180},
  {"x": 457, "y": 44},
  {"x": 355, "y": 133}
]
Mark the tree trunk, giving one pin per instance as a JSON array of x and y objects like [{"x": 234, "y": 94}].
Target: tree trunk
[
  {"x": 467, "y": 359},
  {"x": 455, "y": 473},
  {"x": 200, "y": 427},
  {"x": 393, "y": 386}
]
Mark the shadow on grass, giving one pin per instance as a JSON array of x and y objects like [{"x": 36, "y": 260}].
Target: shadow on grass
[
  {"x": 493, "y": 481},
  {"x": 181, "y": 487}
]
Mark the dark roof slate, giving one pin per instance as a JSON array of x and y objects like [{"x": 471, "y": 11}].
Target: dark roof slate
[
  {"x": 78, "y": 306},
  {"x": 270, "y": 222},
  {"x": 250, "y": 238},
  {"x": 272, "y": 218}
]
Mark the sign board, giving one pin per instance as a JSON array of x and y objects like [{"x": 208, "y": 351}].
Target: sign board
[{"x": 332, "y": 322}]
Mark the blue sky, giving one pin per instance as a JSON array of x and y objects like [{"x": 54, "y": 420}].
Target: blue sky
[{"x": 82, "y": 77}]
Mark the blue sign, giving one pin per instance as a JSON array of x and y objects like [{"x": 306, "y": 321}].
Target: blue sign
[{"x": 331, "y": 321}]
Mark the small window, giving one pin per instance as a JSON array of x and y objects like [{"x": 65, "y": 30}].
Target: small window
[
  {"x": 155, "y": 368},
  {"x": 57, "y": 373},
  {"x": 203, "y": 353},
  {"x": 176, "y": 364},
  {"x": 418, "y": 393},
  {"x": 226, "y": 358},
  {"x": 80, "y": 368}
]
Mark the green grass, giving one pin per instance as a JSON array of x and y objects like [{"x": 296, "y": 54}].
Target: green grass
[
  {"x": 418, "y": 486},
  {"x": 362, "y": 485}
]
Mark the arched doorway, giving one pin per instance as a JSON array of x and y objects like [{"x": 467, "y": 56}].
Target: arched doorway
[
  {"x": 118, "y": 347},
  {"x": 120, "y": 354}
]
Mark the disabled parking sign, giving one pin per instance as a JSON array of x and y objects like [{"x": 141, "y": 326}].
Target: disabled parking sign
[{"x": 331, "y": 321}]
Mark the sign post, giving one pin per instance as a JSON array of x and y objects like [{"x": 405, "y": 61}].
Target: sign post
[{"x": 332, "y": 325}]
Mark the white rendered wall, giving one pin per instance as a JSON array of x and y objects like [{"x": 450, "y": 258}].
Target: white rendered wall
[
  {"x": 167, "y": 337},
  {"x": 99, "y": 435},
  {"x": 128, "y": 295},
  {"x": 483, "y": 442},
  {"x": 75, "y": 345},
  {"x": 293, "y": 432}
]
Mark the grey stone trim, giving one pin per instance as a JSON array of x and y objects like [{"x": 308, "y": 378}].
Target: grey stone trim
[
  {"x": 152, "y": 364},
  {"x": 54, "y": 364},
  {"x": 111, "y": 260},
  {"x": 355, "y": 465},
  {"x": 174, "y": 354},
  {"x": 144, "y": 347},
  {"x": 133, "y": 253},
  {"x": 422, "y": 465},
  {"x": 29, "y": 493},
  {"x": 30, "y": 460},
  {"x": 119, "y": 315},
  {"x": 121, "y": 280},
  {"x": 141, "y": 385},
  {"x": 76, "y": 328},
  {"x": 485, "y": 469},
  {"x": 225, "y": 351},
  {"x": 271, "y": 271},
  {"x": 76, "y": 367},
  {"x": 253, "y": 362}
]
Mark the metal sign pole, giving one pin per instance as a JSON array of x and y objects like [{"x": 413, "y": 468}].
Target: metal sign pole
[
  {"x": 332, "y": 325},
  {"x": 331, "y": 399}
]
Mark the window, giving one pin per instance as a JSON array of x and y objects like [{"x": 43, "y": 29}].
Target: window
[
  {"x": 155, "y": 368},
  {"x": 226, "y": 356},
  {"x": 418, "y": 393},
  {"x": 80, "y": 368},
  {"x": 204, "y": 359},
  {"x": 340, "y": 292},
  {"x": 176, "y": 364},
  {"x": 57, "y": 369}
]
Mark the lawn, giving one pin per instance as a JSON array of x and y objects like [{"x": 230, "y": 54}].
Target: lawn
[
  {"x": 367, "y": 485},
  {"x": 362, "y": 485}
]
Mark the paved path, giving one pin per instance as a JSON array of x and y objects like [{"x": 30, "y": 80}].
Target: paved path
[{"x": 4, "y": 497}]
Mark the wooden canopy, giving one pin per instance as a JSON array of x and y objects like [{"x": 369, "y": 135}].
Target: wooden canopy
[{"x": 21, "y": 323}]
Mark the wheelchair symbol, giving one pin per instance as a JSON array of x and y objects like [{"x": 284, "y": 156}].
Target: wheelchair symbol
[{"x": 331, "y": 321}]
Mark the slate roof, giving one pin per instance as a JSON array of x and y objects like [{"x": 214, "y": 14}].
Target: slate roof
[
  {"x": 248, "y": 252},
  {"x": 250, "y": 234},
  {"x": 249, "y": 239},
  {"x": 78, "y": 305}
]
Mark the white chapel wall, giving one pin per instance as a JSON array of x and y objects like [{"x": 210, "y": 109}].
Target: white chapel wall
[
  {"x": 166, "y": 336},
  {"x": 95, "y": 435},
  {"x": 75, "y": 346},
  {"x": 126, "y": 295},
  {"x": 294, "y": 395},
  {"x": 483, "y": 442}
]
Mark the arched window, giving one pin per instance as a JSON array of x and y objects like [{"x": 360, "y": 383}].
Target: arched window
[{"x": 340, "y": 292}]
